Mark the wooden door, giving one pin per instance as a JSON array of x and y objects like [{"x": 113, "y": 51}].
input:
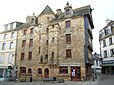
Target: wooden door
[{"x": 46, "y": 73}]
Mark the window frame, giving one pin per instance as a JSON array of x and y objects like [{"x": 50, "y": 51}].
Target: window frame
[
  {"x": 22, "y": 56},
  {"x": 68, "y": 53},
  {"x": 31, "y": 31},
  {"x": 23, "y": 43},
  {"x": 25, "y": 32},
  {"x": 12, "y": 34},
  {"x": 63, "y": 69},
  {"x": 11, "y": 45},
  {"x": 29, "y": 55},
  {"x": 22, "y": 69},
  {"x": 3, "y": 46},
  {"x": 31, "y": 43},
  {"x": 68, "y": 24},
  {"x": 110, "y": 41},
  {"x": 68, "y": 38}
]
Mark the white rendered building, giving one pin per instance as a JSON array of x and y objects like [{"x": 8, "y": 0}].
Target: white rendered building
[
  {"x": 7, "y": 49},
  {"x": 106, "y": 39}
]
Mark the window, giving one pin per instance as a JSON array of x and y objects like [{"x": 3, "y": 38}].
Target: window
[
  {"x": 24, "y": 32},
  {"x": 110, "y": 41},
  {"x": 53, "y": 39},
  {"x": 11, "y": 26},
  {"x": 105, "y": 54},
  {"x": 6, "y": 27},
  {"x": 104, "y": 43},
  {"x": 47, "y": 18},
  {"x": 67, "y": 12},
  {"x": 47, "y": 42},
  {"x": 68, "y": 38},
  {"x": 32, "y": 20},
  {"x": 1, "y": 58},
  {"x": 12, "y": 35},
  {"x": 39, "y": 71},
  {"x": 68, "y": 53},
  {"x": 5, "y": 35},
  {"x": 63, "y": 70},
  {"x": 47, "y": 30},
  {"x": 3, "y": 46},
  {"x": 29, "y": 55},
  {"x": 31, "y": 30},
  {"x": 52, "y": 58},
  {"x": 23, "y": 43},
  {"x": 106, "y": 32},
  {"x": 22, "y": 69},
  {"x": 111, "y": 52},
  {"x": 39, "y": 50},
  {"x": 41, "y": 59},
  {"x": 46, "y": 57},
  {"x": 11, "y": 45},
  {"x": 67, "y": 24},
  {"x": 10, "y": 58},
  {"x": 31, "y": 43},
  {"x": 96, "y": 63},
  {"x": 52, "y": 26},
  {"x": 22, "y": 56},
  {"x": 29, "y": 71}
]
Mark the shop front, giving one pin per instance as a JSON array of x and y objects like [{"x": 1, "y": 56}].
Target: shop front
[{"x": 108, "y": 67}]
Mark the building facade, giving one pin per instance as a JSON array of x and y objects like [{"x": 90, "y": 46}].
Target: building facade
[
  {"x": 56, "y": 45},
  {"x": 106, "y": 39},
  {"x": 97, "y": 61},
  {"x": 8, "y": 50}
]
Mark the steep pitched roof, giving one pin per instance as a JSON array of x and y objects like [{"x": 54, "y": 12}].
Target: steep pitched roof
[
  {"x": 47, "y": 10},
  {"x": 82, "y": 10},
  {"x": 76, "y": 12}
]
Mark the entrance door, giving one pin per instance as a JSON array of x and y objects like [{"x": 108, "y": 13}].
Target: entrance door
[
  {"x": 46, "y": 73},
  {"x": 75, "y": 73}
]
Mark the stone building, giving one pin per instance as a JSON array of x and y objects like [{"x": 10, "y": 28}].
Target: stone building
[
  {"x": 8, "y": 49},
  {"x": 56, "y": 45},
  {"x": 106, "y": 39}
]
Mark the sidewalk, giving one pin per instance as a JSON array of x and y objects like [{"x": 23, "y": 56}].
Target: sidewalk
[{"x": 52, "y": 83}]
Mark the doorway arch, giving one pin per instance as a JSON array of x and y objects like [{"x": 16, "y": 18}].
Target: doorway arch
[{"x": 46, "y": 73}]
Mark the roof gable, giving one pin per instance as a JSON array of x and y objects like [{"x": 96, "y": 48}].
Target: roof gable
[{"x": 47, "y": 10}]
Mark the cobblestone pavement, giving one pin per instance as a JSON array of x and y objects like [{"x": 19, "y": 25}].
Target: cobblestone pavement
[{"x": 51, "y": 83}]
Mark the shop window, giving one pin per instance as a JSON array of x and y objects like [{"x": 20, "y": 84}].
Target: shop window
[
  {"x": 63, "y": 70},
  {"x": 22, "y": 69}
]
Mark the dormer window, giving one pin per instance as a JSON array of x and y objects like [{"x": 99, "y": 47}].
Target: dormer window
[
  {"x": 67, "y": 12},
  {"x": 32, "y": 20}
]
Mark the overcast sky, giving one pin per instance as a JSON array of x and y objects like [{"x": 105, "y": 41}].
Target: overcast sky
[{"x": 17, "y": 10}]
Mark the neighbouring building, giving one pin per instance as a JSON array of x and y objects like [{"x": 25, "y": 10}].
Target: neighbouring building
[
  {"x": 97, "y": 61},
  {"x": 56, "y": 45},
  {"x": 8, "y": 49},
  {"x": 106, "y": 39}
]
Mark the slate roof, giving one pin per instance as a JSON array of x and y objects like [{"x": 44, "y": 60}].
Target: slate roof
[
  {"x": 82, "y": 10},
  {"x": 46, "y": 10},
  {"x": 76, "y": 12}
]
